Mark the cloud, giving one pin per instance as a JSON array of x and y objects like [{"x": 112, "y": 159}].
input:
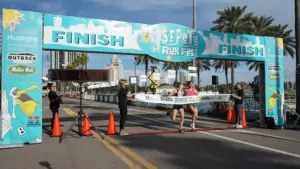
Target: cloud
[
  {"x": 138, "y": 5},
  {"x": 53, "y": 6}
]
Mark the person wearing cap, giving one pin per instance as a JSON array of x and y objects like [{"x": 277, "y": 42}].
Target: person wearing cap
[{"x": 122, "y": 96}]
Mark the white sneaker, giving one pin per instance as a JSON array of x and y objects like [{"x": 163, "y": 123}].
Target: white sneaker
[
  {"x": 193, "y": 126},
  {"x": 239, "y": 126}
]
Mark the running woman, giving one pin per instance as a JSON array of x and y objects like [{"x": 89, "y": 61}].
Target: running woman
[
  {"x": 191, "y": 91},
  {"x": 178, "y": 108}
]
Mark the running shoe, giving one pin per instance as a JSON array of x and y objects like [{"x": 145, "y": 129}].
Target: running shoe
[
  {"x": 193, "y": 126},
  {"x": 122, "y": 133}
]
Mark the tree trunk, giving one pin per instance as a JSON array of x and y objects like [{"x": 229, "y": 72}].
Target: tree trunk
[
  {"x": 226, "y": 75},
  {"x": 198, "y": 78},
  {"x": 198, "y": 72},
  {"x": 176, "y": 74},
  {"x": 146, "y": 71},
  {"x": 232, "y": 76}
]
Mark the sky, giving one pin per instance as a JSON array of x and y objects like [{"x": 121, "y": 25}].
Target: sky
[{"x": 160, "y": 11}]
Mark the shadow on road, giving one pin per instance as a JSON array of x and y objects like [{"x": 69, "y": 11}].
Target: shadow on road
[
  {"x": 196, "y": 153},
  {"x": 45, "y": 164}
]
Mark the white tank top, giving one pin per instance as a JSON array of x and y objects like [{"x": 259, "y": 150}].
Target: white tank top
[{"x": 179, "y": 93}]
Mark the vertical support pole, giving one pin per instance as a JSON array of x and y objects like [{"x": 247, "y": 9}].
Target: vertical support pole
[
  {"x": 80, "y": 109},
  {"x": 194, "y": 27},
  {"x": 135, "y": 85},
  {"x": 262, "y": 94},
  {"x": 297, "y": 33}
]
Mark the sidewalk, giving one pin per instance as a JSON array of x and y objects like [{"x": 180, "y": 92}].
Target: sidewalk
[{"x": 74, "y": 153}]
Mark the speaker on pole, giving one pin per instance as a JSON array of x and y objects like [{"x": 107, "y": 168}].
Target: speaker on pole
[{"x": 214, "y": 80}]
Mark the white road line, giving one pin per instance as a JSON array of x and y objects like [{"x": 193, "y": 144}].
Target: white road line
[
  {"x": 237, "y": 131},
  {"x": 231, "y": 139},
  {"x": 254, "y": 145},
  {"x": 208, "y": 123},
  {"x": 264, "y": 134},
  {"x": 227, "y": 138}
]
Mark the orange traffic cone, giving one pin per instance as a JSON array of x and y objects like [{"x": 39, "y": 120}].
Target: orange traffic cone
[
  {"x": 86, "y": 129},
  {"x": 231, "y": 116},
  {"x": 244, "y": 121},
  {"x": 111, "y": 125},
  {"x": 56, "y": 131}
]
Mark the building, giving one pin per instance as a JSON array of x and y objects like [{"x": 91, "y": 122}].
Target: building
[
  {"x": 164, "y": 80},
  {"x": 183, "y": 76},
  {"x": 115, "y": 70},
  {"x": 61, "y": 59}
]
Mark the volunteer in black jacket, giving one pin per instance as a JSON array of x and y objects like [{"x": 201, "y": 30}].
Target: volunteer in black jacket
[
  {"x": 122, "y": 95},
  {"x": 55, "y": 100}
]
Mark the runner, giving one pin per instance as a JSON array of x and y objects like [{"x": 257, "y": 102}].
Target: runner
[
  {"x": 191, "y": 91},
  {"x": 178, "y": 108},
  {"x": 175, "y": 84}
]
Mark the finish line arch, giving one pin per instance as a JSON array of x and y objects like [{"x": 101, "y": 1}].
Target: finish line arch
[{"x": 26, "y": 34}]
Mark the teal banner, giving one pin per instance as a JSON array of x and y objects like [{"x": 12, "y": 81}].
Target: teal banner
[{"x": 21, "y": 77}]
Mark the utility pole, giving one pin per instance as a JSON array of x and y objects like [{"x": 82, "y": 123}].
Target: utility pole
[
  {"x": 194, "y": 27},
  {"x": 297, "y": 33},
  {"x": 135, "y": 85}
]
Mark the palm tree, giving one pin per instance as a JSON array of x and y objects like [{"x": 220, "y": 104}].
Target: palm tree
[
  {"x": 79, "y": 62},
  {"x": 233, "y": 20},
  {"x": 253, "y": 65},
  {"x": 145, "y": 60},
  {"x": 202, "y": 65},
  {"x": 289, "y": 42},
  {"x": 175, "y": 66},
  {"x": 260, "y": 26},
  {"x": 222, "y": 65},
  {"x": 83, "y": 60}
]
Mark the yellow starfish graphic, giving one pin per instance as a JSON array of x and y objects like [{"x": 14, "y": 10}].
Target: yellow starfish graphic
[
  {"x": 11, "y": 18},
  {"x": 169, "y": 58},
  {"x": 279, "y": 43}
]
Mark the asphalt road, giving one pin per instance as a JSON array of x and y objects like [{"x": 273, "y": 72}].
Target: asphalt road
[
  {"x": 251, "y": 148},
  {"x": 247, "y": 148}
]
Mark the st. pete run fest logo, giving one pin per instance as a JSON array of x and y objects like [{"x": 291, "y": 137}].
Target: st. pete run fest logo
[{"x": 171, "y": 42}]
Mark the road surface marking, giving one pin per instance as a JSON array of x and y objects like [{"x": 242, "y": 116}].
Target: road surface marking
[
  {"x": 117, "y": 152},
  {"x": 208, "y": 123},
  {"x": 237, "y": 131},
  {"x": 222, "y": 137},
  {"x": 263, "y": 134},
  {"x": 230, "y": 139},
  {"x": 129, "y": 152}
]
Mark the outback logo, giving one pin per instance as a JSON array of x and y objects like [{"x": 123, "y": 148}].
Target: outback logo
[
  {"x": 274, "y": 76},
  {"x": 274, "y": 68},
  {"x": 21, "y": 70},
  {"x": 22, "y": 57}
]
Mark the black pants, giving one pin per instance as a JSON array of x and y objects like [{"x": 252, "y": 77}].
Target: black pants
[
  {"x": 238, "y": 108},
  {"x": 53, "y": 110},
  {"x": 123, "y": 115}
]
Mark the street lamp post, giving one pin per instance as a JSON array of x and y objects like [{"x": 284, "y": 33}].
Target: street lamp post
[
  {"x": 135, "y": 85},
  {"x": 297, "y": 33},
  {"x": 194, "y": 27}
]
